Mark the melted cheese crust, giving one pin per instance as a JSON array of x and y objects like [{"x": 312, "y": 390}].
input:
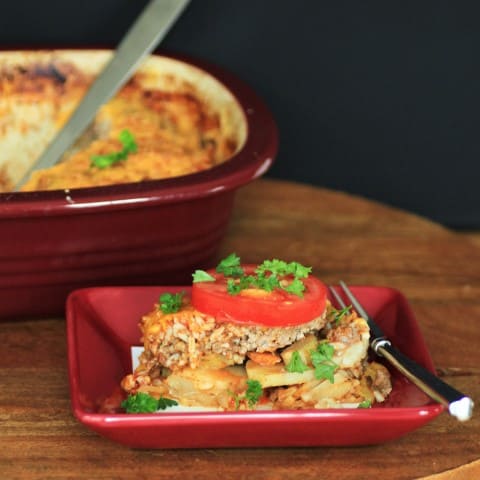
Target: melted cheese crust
[{"x": 177, "y": 133}]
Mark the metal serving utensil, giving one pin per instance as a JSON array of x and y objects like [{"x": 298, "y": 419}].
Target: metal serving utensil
[
  {"x": 143, "y": 36},
  {"x": 457, "y": 403}
]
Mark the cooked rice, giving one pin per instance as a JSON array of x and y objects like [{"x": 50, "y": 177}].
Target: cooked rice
[{"x": 181, "y": 339}]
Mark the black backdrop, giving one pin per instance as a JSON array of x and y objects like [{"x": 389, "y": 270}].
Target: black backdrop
[{"x": 376, "y": 98}]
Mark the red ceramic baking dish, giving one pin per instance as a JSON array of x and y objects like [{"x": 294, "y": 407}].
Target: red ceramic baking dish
[{"x": 149, "y": 232}]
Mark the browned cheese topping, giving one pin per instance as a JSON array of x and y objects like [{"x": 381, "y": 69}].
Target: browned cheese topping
[{"x": 176, "y": 133}]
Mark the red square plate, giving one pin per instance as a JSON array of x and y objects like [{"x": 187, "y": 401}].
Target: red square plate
[{"x": 102, "y": 325}]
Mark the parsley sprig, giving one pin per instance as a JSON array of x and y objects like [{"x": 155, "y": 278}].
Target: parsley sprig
[
  {"x": 129, "y": 146},
  {"x": 296, "y": 364},
  {"x": 282, "y": 268},
  {"x": 322, "y": 361},
  {"x": 202, "y": 276},
  {"x": 252, "y": 394},
  {"x": 339, "y": 314},
  {"x": 144, "y": 403},
  {"x": 365, "y": 404},
  {"x": 268, "y": 276},
  {"x": 170, "y": 302},
  {"x": 230, "y": 266}
]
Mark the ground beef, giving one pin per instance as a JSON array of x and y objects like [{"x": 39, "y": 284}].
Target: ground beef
[{"x": 182, "y": 339}]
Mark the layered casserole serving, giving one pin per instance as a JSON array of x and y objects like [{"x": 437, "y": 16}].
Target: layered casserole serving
[{"x": 254, "y": 337}]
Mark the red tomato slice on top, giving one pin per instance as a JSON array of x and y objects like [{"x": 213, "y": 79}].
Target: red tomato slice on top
[{"x": 259, "y": 307}]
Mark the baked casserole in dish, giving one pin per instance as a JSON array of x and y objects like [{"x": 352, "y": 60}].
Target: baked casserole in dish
[{"x": 143, "y": 196}]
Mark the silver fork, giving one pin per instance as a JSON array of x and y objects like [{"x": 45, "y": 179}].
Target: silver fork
[{"x": 457, "y": 404}]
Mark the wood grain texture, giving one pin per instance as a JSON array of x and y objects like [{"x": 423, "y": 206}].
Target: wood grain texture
[
  {"x": 473, "y": 236},
  {"x": 342, "y": 237}
]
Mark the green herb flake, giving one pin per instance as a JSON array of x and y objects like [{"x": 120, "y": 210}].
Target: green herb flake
[
  {"x": 267, "y": 283},
  {"x": 268, "y": 276},
  {"x": 164, "y": 403},
  {"x": 236, "y": 285},
  {"x": 230, "y": 266},
  {"x": 274, "y": 269},
  {"x": 339, "y": 314},
  {"x": 145, "y": 403},
  {"x": 233, "y": 287},
  {"x": 282, "y": 268},
  {"x": 170, "y": 302},
  {"x": 322, "y": 362},
  {"x": 140, "y": 403},
  {"x": 296, "y": 286},
  {"x": 299, "y": 270},
  {"x": 202, "y": 276},
  {"x": 274, "y": 266},
  {"x": 365, "y": 404},
  {"x": 128, "y": 141},
  {"x": 129, "y": 146},
  {"x": 253, "y": 393},
  {"x": 296, "y": 364}
]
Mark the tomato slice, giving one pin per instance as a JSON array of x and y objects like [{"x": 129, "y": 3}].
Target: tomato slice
[{"x": 259, "y": 307}]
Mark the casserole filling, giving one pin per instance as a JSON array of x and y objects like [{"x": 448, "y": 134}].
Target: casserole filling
[{"x": 195, "y": 359}]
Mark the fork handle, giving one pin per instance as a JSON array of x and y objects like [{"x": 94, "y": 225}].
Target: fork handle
[{"x": 458, "y": 405}]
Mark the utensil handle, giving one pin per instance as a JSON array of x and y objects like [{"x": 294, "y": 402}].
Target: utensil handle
[
  {"x": 458, "y": 404},
  {"x": 151, "y": 26}
]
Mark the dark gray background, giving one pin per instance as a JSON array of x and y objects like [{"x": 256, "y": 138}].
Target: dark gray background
[{"x": 376, "y": 98}]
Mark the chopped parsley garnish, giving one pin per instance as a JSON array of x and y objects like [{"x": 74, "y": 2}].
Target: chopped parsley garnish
[
  {"x": 202, "y": 276},
  {"x": 268, "y": 283},
  {"x": 268, "y": 276},
  {"x": 164, "y": 403},
  {"x": 235, "y": 286},
  {"x": 365, "y": 404},
  {"x": 230, "y": 266},
  {"x": 322, "y": 361},
  {"x": 281, "y": 268},
  {"x": 145, "y": 403},
  {"x": 252, "y": 394},
  {"x": 129, "y": 146},
  {"x": 296, "y": 287},
  {"x": 339, "y": 314},
  {"x": 296, "y": 364},
  {"x": 270, "y": 272},
  {"x": 170, "y": 302}
]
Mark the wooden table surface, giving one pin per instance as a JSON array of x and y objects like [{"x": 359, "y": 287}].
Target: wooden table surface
[{"x": 342, "y": 237}]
